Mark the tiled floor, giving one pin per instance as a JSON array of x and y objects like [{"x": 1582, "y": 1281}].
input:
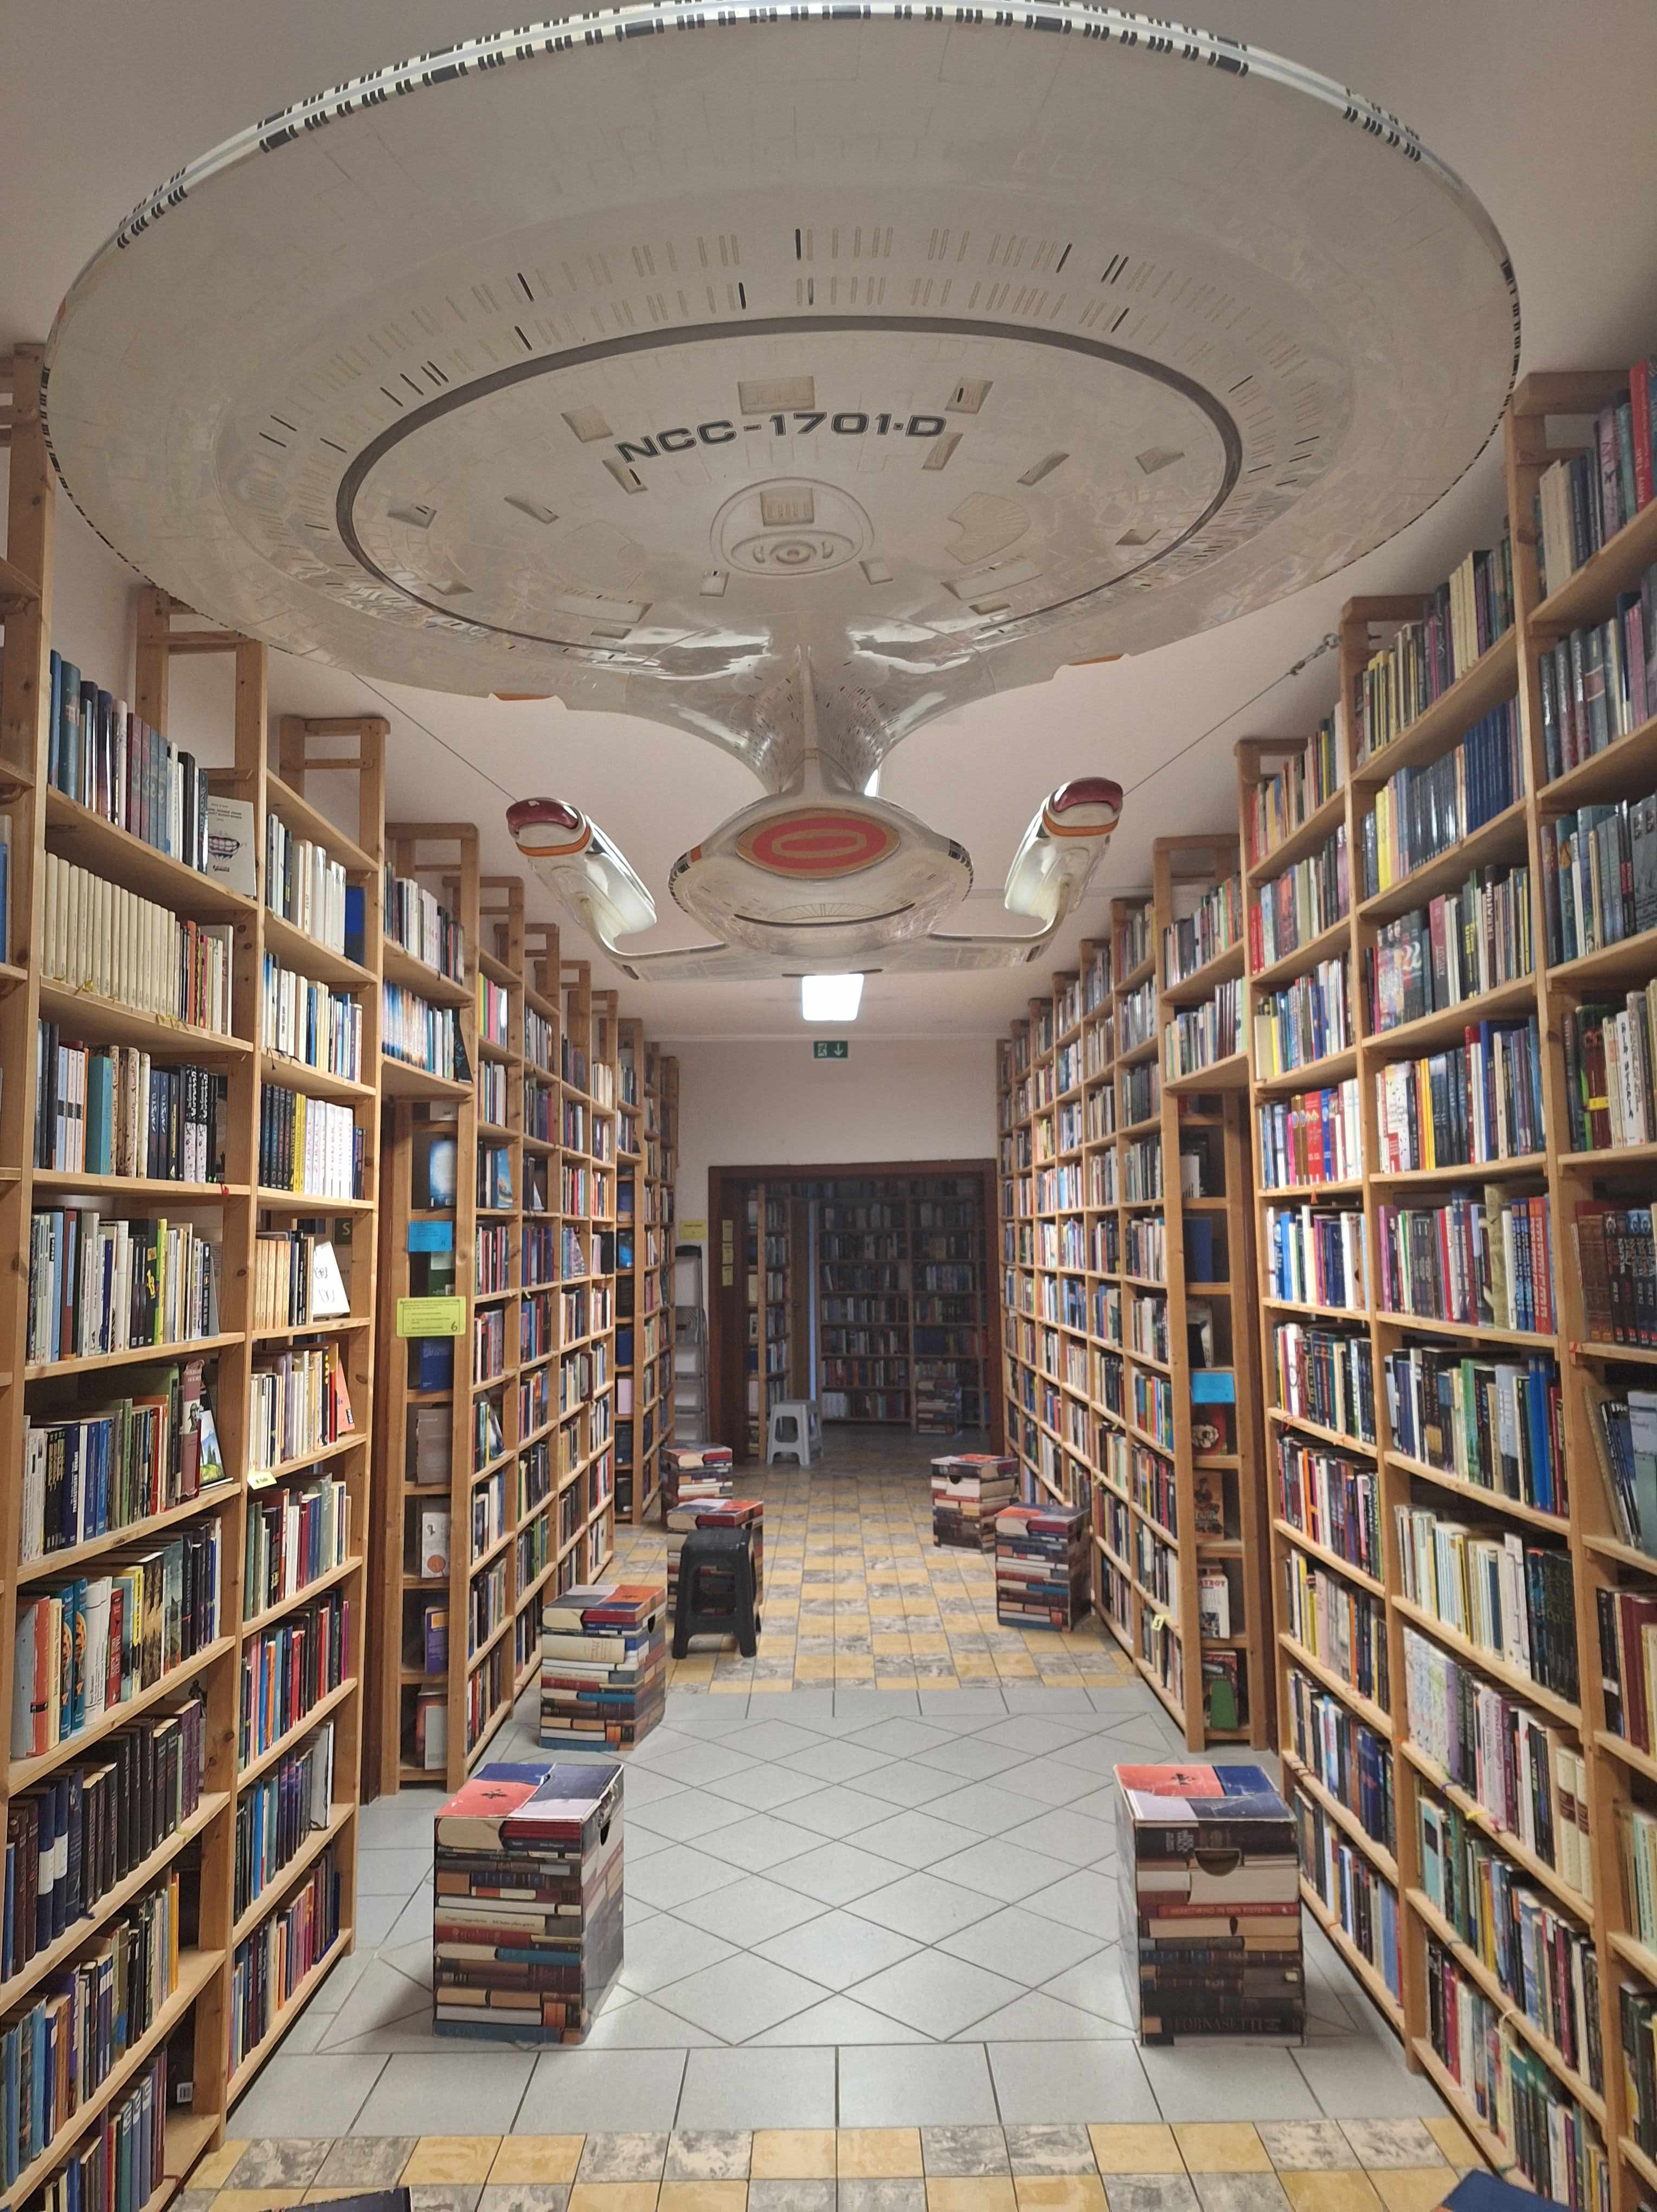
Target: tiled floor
[
  {"x": 1293, "y": 2166},
  {"x": 854, "y": 1905},
  {"x": 855, "y": 1590}
]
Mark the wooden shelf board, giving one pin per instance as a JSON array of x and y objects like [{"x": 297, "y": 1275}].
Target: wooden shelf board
[
  {"x": 1230, "y": 1073},
  {"x": 1316, "y": 829},
  {"x": 1591, "y": 591},
  {"x": 314, "y": 1082},
  {"x": 1202, "y": 983},
  {"x": 1315, "y": 1075},
  {"x": 241, "y": 2076},
  {"x": 307, "y": 1202},
  {"x": 283, "y": 1744},
  {"x": 1373, "y": 1981},
  {"x": 1347, "y": 1822},
  {"x": 310, "y": 823},
  {"x": 164, "y": 1196},
  {"x": 1482, "y": 1332},
  {"x": 400, "y": 1078},
  {"x": 53, "y": 1565},
  {"x": 1490, "y": 1663},
  {"x": 1366, "y": 1708},
  {"x": 291, "y": 1603},
  {"x": 1314, "y": 1549},
  {"x": 1511, "y": 1846},
  {"x": 1475, "y": 1493},
  {"x": 316, "y": 1842},
  {"x": 78, "y": 834},
  {"x": 296, "y": 949},
  {"x": 1447, "y": 1025},
  {"x": 1504, "y": 837},
  {"x": 1327, "y": 943},
  {"x": 403, "y": 967},
  {"x": 1474, "y": 1171},
  {"x": 84, "y": 1016}
]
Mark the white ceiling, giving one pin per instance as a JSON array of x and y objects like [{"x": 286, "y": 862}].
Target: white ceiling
[{"x": 1543, "y": 111}]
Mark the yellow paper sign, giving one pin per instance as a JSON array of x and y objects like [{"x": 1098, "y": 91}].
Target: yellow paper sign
[
  {"x": 692, "y": 1232},
  {"x": 431, "y": 1316}
]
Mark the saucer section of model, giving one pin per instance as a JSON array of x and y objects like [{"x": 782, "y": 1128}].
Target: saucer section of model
[{"x": 620, "y": 357}]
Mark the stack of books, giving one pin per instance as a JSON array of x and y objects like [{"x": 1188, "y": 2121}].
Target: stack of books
[
  {"x": 691, "y": 1472},
  {"x": 1210, "y": 1886},
  {"x": 938, "y": 1409},
  {"x": 716, "y": 1513},
  {"x": 1043, "y": 1578},
  {"x": 527, "y": 1920},
  {"x": 604, "y": 1663},
  {"x": 968, "y": 1490}
]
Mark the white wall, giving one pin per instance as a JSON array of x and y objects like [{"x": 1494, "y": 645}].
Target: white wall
[{"x": 767, "y": 1103}]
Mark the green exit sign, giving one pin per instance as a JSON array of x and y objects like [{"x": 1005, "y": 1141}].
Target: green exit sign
[{"x": 830, "y": 1048}]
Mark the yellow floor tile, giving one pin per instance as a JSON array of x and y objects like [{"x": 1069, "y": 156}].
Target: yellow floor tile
[
  {"x": 1221, "y": 2147},
  {"x": 928, "y": 1643},
  {"x": 1414, "y": 2188},
  {"x": 1453, "y": 2139},
  {"x": 1339, "y": 2192},
  {"x": 853, "y": 1667},
  {"x": 988, "y": 2192},
  {"x": 793, "y": 2155},
  {"x": 698, "y": 1668},
  {"x": 731, "y": 1684},
  {"x": 783, "y": 1682},
  {"x": 1060, "y": 2192},
  {"x": 215, "y": 2170},
  {"x": 885, "y": 1607},
  {"x": 815, "y": 1667},
  {"x": 614, "y": 2197},
  {"x": 452, "y": 2158},
  {"x": 1136, "y": 2147},
  {"x": 942, "y": 1682},
  {"x": 703, "y": 2197},
  {"x": 257, "y": 2200},
  {"x": 880, "y": 2154},
  {"x": 537, "y": 2158}
]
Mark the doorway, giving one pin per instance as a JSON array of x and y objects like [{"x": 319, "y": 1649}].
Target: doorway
[{"x": 868, "y": 1286}]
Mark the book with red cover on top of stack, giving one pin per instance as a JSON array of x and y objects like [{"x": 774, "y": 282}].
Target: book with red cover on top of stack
[
  {"x": 604, "y": 1663},
  {"x": 691, "y": 1472}
]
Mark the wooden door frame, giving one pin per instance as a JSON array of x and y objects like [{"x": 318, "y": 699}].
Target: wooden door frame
[{"x": 726, "y": 1403}]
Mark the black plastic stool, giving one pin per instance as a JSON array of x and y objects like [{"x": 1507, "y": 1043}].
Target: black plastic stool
[{"x": 724, "y": 1558}]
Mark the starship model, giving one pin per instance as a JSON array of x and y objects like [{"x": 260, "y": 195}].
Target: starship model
[{"x": 791, "y": 377}]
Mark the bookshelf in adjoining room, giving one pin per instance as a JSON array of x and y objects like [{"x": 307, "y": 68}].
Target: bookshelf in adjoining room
[
  {"x": 203, "y": 1116},
  {"x": 864, "y": 1288},
  {"x": 769, "y": 1264},
  {"x": 948, "y": 1288}
]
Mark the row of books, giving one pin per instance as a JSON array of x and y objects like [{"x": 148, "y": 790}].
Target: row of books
[
  {"x": 1310, "y": 896},
  {"x": 98, "y": 1285},
  {"x": 1610, "y": 1062},
  {"x": 1584, "y": 499},
  {"x": 1498, "y": 1424},
  {"x": 111, "y": 1110},
  {"x": 107, "y": 943},
  {"x": 1599, "y": 876},
  {"x": 1543, "y": 1959},
  {"x": 412, "y": 918},
  {"x": 288, "y": 1669},
  {"x": 305, "y": 886},
  {"x": 1315, "y": 1255},
  {"x": 1332, "y": 1499},
  {"x": 1529, "y": 1776},
  {"x": 1338, "y": 1624},
  {"x": 1483, "y": 1260},
  {"x": 278, "y": 1811},
  {"x": 424, "y": 1035},
  {"x": 1356, "y": 1895},
  {"x": 300, "y": 1404},
  {"x": 1462, "y": 619},
  {"x": 1628, "y": 1657},
  {"x": 120, "y": 2163},
  {"x": 1280, "y": 802},
  {"x": 308, "y": 1021},
  {"x": 1511, "y": 1599},
  {"x": 1513, "y": 2092},
  {"x": 1303, "y": 1021},
  {"x": 75, "y": 1839},
  {"x": 1200, "y": 1036},
  {"x": 271, "y": 1963},
  {"x": 1212, "y": 925},
  {"x": 91, "y": 1473},
  {"x": 1457, "y": 946},
  {"x": 87, "y": 1646},
  {"x": 57, "y": 2049},
  {"x": 296, "y": 1280},
  {"x": 308, "y": 1145},
  {"x": 1325, "y": 1375},
  {"x": 1617, "y": 1260},
  {"x": 1464, "y": 1106},
  {"x": 1315, "y": 1137},
  {"x": 293, "y": 1535},
  {"x": 1345, "y": 1754},
  {"x": 108, "y": 759},
  {"x": 1421, "y": 812},
  {"x": 1597, "y": 684},
  {"x": 1624, "y": 1429}
]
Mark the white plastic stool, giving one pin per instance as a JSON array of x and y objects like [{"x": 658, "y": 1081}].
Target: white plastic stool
[{"x": 788, "y": 1433}]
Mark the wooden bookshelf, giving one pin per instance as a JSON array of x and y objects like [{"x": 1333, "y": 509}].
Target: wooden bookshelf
[
  {"x": 643, "y": 1252},
  {"x": 949, "y": 1331},
  {"x": 865, "y": 1289},
  {"x": 346, "y": 759},
  {"x": 768, "y": 1257},
  {"x": 585, "y": 1526}
]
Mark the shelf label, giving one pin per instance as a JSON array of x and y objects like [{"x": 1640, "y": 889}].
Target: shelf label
[
  {"x": 431, "y": 1316},
  {"x": 692, "y": 1232},
  {"x": 830, "y": 1048}
]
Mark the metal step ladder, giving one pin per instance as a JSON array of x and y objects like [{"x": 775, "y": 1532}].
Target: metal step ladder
[{"x": 689, "y": 1347}]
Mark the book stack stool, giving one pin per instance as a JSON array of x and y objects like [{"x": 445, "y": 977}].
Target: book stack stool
[
  {"x": 604, "y": 1663},
  {"x": 1043, "y": 1575},
  {"x": 526, "y": 1919},
  {"x": 1210, "y": 1886},
  {"x": 693, "y": 1472},
  {"x": 968, "y": 1490},
  {"x": 747, "y": 1513}
]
